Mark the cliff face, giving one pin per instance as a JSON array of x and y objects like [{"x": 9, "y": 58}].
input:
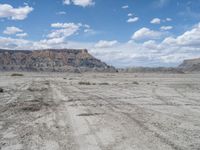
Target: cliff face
[
  {"x": 191, "y": 65},
  {"x": 51, "y": 60}
]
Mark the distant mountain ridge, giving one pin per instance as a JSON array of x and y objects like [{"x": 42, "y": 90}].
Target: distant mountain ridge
[
  {"x": 58, "y": 60},
  {"x": 151, "y": 70}
]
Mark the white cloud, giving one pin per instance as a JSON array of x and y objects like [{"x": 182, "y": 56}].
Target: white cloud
[
  {"x": 89, "y": 32},
  {"x": 66, "y": 2},
  {"x": 125, "y": 7},
  {"x": 12, "y": 30},
  {"x": 86, "y": 26},
  {"x": 82, "y": 3},
  {"x": 20, "y": 13},
  {"x": 155, "y": 21},
  {"x": 21, "y": 35},
  {"x": 166, "y": 27},
  {"x": 11, "y": 43},
  {"x": 68, "y": 29},
  {"x": 146, "y": 33},
  {"x": 64, "y": 25},
  {"x": 189, "y": 38},
  {"x": 168, "y": 19},
  {"x": 53, "y": 41},
  {"x": 131, "y": 20},
  {"x": 130, "y": 15},
  {"x": 105, "y": 44},
  {"x": 64, "y": 30},
  {"x": 151, "y": 45}
]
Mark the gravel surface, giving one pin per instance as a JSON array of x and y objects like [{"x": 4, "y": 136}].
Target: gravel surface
[{"x": 99, "y": 111}]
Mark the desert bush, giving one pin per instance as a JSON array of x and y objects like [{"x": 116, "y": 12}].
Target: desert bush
[
  {"x": 135, "y": 82},
  {"x": 1, "y": 90},
  {"x": 17, "y": 74},
  {"x": 84, "y": 83}
]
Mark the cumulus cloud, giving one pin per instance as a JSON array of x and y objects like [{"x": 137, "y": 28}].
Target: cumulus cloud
[
  {"x": 105, "y": 44},
  {"x": 146, "y": 33},
  {"x": 166, "y": 28},
  {"x": 131, "y": 20},
  {"x": 82, "y": 3},
  {"x": 189, "y": 38},
  {"x": 20, "y": 13},
  {"x": 155, "y": 21},
  {"x": 12, "y": 30}
]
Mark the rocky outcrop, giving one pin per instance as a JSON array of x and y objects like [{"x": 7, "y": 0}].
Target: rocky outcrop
[
  {"x": 60, "y": 60},
  {"x": 191, "y": 65}
]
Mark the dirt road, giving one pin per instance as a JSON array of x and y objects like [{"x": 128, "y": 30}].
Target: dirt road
[{"x": 100, "y": 112}]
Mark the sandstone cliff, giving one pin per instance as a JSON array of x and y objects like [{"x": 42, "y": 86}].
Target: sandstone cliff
[{"x": 60, "y": 60}]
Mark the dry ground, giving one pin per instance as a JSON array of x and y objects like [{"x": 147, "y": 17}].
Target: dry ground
[{"x": 100, "y": 111}]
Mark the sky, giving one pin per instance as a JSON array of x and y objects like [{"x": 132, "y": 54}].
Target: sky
[{"x": 122, "y": 33}]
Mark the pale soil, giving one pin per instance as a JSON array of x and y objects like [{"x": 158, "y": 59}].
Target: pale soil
[{"x": 54, "y": 112}]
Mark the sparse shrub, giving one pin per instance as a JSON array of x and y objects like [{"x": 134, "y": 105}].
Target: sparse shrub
[
  {"x": 84, "y": 83},
  {"x": 105, "y": 83},
  {"x": 1, "y": 90},
  {"x": 135, "y": 82},
  {"x": 17, "y": 74}
]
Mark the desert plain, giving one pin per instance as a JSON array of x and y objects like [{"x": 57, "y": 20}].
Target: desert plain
[{"x": 99, "y": 111}]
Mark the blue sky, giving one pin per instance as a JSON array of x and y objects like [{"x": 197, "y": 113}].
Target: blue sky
[{"x": 120, "y": 32}]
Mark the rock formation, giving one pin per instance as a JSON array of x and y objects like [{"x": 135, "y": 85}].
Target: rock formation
[
  {"x": 191, "y": 65},
  {"x": 58, "y": 60}
]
